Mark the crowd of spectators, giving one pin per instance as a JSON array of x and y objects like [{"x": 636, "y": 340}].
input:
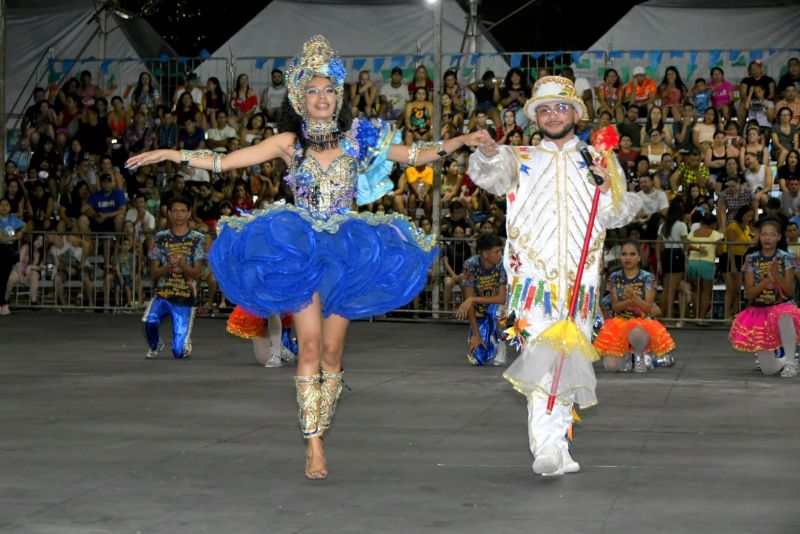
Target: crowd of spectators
[{"x": 712, "y": 147}]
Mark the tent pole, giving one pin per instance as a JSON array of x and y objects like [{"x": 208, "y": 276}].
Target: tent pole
[
  {"x": 3, "y": 95},
  {"x": 437, "y": 131}
]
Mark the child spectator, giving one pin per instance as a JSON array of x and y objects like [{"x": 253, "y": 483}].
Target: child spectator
[
  {"x": 701, "y": 96},
  {"x": 703, "y": 245},
  {"x": 484, "y": 289}
]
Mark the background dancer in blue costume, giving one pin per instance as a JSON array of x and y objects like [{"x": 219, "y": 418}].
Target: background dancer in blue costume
[{"x": 319, "y": 259}]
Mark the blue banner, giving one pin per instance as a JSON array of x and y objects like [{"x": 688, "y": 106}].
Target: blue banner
[
  {"x": 358, "y": 63},
  {"x": 377, "y": 63},
  {"x": 516, "y": 60}
]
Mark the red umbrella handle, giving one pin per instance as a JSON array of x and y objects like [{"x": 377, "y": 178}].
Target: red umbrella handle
[{"x": 573, "y": 302}]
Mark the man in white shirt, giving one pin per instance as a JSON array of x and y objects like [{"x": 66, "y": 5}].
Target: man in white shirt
[
  {"x": 191, "y": 88},
  {"x": 218, "y": 136},
  {"x": 653, "y": 200},
  {"x": 790, "y": 200},
  {"x": 393, "y": 96},
  {"x": 144, "y": 224},
  {"x": 272, "y": 97}
]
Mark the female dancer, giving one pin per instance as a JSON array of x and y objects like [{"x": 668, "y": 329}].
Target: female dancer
[
  {"x": 632, "y": 329},
  {"x": 319, "y": 259},
  {"x": 772, "y": 321}
]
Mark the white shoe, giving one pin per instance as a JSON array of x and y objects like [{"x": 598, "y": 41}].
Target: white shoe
[
  {"x": 151, "y": 354},
  {"x": 639, "y": 365},
  {"x": 648, "y": 361},
  {"x": 789, "y": 370},
  {"x": 274, "y": 360},
  {"x": 548, "y": 463},
  {"x": 570, "y": 465},
  {"x": 287, "y": 355},
  {"x": 5, "y": 310},
  {"x": 500, "y": 356}
]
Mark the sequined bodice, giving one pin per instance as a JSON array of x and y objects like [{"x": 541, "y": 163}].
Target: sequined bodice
[{"x": 326, "y": 192}]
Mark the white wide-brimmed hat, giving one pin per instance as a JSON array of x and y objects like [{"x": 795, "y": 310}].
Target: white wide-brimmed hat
[{"x": 554, "y": 89}]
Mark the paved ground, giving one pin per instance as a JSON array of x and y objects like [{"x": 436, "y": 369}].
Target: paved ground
[{"x": 94, "y": 439}]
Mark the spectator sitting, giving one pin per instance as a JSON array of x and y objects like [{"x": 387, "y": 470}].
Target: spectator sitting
[
  {"x": 631, "y": 128},
  {"x": 244, "y": 100},
  {"x": 16, "y": 195},
  {"x": 758, "y": 107},
  {"x": 242, "y": 201},
  {"x": 273, "y": 96},
  {"x": 191, "y": 137},
  {"x": 74, "y": 210},
  {"x": 421, "y": 80},
  {"x": 456, "y": 252},
  {"x": 456, "y": 218},
  {"x": 29, "y": 269},
  {"x": 95, "y": 137},
  {"x": 393, "y": 96},
  {"x": 723, "y": 94},
  {"x": 420, "y": 183},
  {"x": 610, "y": 94},
  {"x": 627, "y": 154},
  {"x": 418, "y": 117},
  {"x": 654, "y": 201},
  {"x": 792, "y": 101},
  {"x": 220, "y": 132},
  {"x": 641, "y": 91},
  {"x": 68, "y": 254},
  {"x": 673, "y": 93},
  {"x": 756, "y": 77},
  {"x": 759, "y": 177},
  {"x": 120, "y": 274},
  {"x": 482, "y": 123},
  {"x": 487, "y": 95},
  {"x": 787, "y": 171},
  {"x": 655, "y": 121},
  {"x": 139, "y": 137},
  {"x": 41, "y": 215},
  {"x": 455, "y": 91},
  {"x": 363, "y": 95},
  {"x": 784, "y": 136},
  {"x": 514, "y": 93},
  {"x": 655, "y": 148},
  {"x": 144, "y": 223},
  {"x": 508, "y": 127},
  {"x": 108, "y": 207},
  {"x": 213, "y": 100},
  {"x": 790, "y": 199},
  {"x": 790, "y": 79},
  {"x": 700, "y": 96},
  {"x": 254, "y": 131},
  {"x": 189, "y": 87}
]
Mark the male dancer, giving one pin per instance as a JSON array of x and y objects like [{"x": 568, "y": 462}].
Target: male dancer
[
  {"x": 176, "y": 262},
  {"x": 549, "y": 195}
]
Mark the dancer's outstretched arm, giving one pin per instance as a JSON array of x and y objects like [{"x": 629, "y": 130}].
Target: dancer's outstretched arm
[{"x": 277, "y": 146}]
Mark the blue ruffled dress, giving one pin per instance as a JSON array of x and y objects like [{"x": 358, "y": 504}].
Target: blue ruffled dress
[{"x": 361, "y": 264}]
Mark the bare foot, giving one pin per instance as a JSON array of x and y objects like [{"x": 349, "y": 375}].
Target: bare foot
[{"x": 315, "y": 460}]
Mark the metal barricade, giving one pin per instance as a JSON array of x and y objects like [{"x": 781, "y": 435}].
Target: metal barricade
[{"x": 72, "y": 271}]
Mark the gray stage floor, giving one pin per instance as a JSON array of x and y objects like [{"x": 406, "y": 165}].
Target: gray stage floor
[{"x": 95, "y": 439}]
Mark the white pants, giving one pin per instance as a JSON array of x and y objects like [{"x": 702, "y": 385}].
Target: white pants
[{"x": 547, "y": 431}]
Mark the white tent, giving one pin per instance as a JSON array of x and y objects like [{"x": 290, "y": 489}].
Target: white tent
[
  {"x": 708, "y": 32},
  {"x": 70, "y": 29},
  {"x": 358, "y": 29}
]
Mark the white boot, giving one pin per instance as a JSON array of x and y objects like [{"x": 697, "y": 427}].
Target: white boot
[
  {"x": 570, "y": 465},
  {"x": 500, "y": 355},
  {"x": 547, "y": 435}
]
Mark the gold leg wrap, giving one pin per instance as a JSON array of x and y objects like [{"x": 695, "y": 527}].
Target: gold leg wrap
[
  {"x": 308, "y": 403},
  {"x": 330, "y": 389}
]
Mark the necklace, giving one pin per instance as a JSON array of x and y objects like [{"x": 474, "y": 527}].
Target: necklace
[{"x": 321, "y": 136}]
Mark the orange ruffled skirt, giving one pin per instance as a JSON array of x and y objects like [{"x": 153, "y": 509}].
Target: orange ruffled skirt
[{"x": 612, "y": 340}]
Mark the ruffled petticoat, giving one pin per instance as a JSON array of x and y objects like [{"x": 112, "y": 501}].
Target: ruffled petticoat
[
  {"x": 360, "y": 264},
  {"x": 756, "y": 328},
  {"x": 612, "y": 340}
]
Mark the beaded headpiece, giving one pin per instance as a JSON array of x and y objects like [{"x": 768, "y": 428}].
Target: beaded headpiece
[{"x": 317, "y": 59}]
